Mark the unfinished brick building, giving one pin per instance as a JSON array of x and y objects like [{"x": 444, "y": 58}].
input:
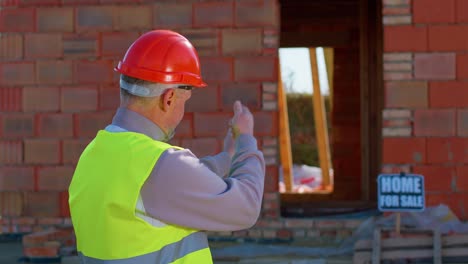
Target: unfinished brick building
[{"x": 400, "y": 97}]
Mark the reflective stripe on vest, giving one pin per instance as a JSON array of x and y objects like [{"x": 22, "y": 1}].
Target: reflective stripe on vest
[
  {"x": 103, "y": 200},
  {"x": 168, "y": 254}
]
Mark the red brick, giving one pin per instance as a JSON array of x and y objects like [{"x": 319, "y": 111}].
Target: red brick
[
  {"x": 172, "y": 15},
  {"x": 88, "y": 124},
  {"x": 65, "y": 210},
  {"x": 284, "y": 234},
  {"x": 43, "y": 45},
  {"x": 404, "y": 150},
  {"x": 328, "y": 224},
  {"x": 462, "y": 211},
  {"x": 198, "y": 102},
  {"x": 10, "y": 99},
  {"x": 256, "y": 69},
  {"x": 242, "y": 41},
  {"x": 457, "y": 34},
  {"x": 94, "y": 18},
  {"x": 205, "y": 40},
  {"x": 77, "y": 99},
  {"x": 40, "y": 99},
  {"x": 133, "y": 17},
  {"x": 271, "y": 180},
  {"x": 462, "y": 123},
  {"x": 55, "y": 125},
  {"x": 217, "y": 69},
  {"x": 21, "y": 73},
  {"x": 17, "y": 125},
  {"x": 11, "y": 47},
  {"x": 396, "y": 10},
  {"x": 434, "y": 123},
  {"x": 202, "y": 146},
  {"x": 462, "y": 66},
  {"x": 257, "y": 13},
  {"x": 109, "y": 98},
  {"x": 17, "y": 20},
  {"x": 406, "y": 94},
  {"x": 38, "y": 238},
  {"x": 265, "y": 124},
  {"x": 89, "y": 72},
  {"x": 117, "y": 43},
  {"x": 462, "y": 10},
  {"x": 16, "y": 178},
  {"x": 80, "y": 45},
  {"x": 79, "y": 2},
  {"x": 405, "y": 38},
  {"x": 437, "y": 178},
  {"x": 54, "y": 72},
  {"x": 72, "y": 149},
  {"x": 11, "y": 203},
  {"x": 434, "y": 66},
  {"x": 50, "y": 221},
  {"x": 35, "y": 3},
  {"x": 55, "y": 19},
  {"x": 41, "y": 204},
  {"x": 41, "y": 151},
  {"x": 447, "y": 150},
  {"x": 448, "y": 94},
  {"x": 210, "y": 124},
  {"x": 462, "y": 178},
  {"x": 23, "y": 221},
  {"x": 433, "y": 11},
  {"x": 54, "y": 178},
  {"x": 248, "y": 93},
  {"x": 11, "y": 152},
  {"x": 213, "y": 14},
  {"x": 9, "y": 3}
]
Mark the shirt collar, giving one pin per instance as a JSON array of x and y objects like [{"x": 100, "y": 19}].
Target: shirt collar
[{"x": 134, "y": 122}]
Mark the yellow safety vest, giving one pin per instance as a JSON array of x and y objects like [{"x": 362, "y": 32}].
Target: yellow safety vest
[{"x": 103, "y": 197}]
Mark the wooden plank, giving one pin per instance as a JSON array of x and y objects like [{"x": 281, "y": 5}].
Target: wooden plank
[
  {"x": 321, "y": 127},
  {"x": 437, "y": 247},
  {"x": 365, "y": 257},
  {"x": 401, "y": 242},
  {"x": 328, "y": 52},
  {"x": 284, "y": 136},
  {"x": 376, "y": 247}
]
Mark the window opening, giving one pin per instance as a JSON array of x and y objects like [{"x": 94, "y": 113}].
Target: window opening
[{"x": 304, "y": 101}]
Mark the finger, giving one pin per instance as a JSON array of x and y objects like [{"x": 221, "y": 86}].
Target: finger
[{"x": 237, "y": 107}]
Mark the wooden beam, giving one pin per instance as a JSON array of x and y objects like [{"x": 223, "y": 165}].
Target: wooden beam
[
  {"x": 328, "y": 52},
  {"x": 284, "y": 136},
  {"x": 321, "y": 127}
]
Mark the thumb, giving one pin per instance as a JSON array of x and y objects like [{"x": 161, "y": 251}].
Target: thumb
[{"x": 237, "y": 107}]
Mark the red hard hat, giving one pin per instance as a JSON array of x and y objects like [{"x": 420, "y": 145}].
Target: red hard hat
[{"x": 162, "y": 56}]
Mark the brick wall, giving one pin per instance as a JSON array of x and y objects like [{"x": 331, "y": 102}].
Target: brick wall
[
  {"x": 426, "y": 105},
  {"x": 57, "y": 88}
]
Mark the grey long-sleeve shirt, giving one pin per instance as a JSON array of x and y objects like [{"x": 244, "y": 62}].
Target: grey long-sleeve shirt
[{"x": 187, "y": 191}]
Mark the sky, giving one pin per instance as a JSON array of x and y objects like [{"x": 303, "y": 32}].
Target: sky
[{"x": 296, "y": 71}]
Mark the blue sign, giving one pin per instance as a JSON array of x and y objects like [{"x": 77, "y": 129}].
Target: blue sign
[{"x": 400, "y": 192}]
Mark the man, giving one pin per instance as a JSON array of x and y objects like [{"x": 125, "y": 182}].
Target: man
[{"x": 136, "y": 199}]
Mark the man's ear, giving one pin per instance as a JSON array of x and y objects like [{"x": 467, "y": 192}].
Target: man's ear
[{"x": 167, "y": 99}]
